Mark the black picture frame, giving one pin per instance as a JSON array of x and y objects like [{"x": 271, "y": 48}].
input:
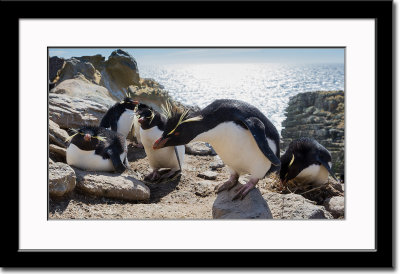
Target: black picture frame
[{"x": 381, "y": 11}]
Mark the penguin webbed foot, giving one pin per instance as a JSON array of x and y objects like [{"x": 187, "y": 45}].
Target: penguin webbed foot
[
  {"x": 228, "y": 185},
  {"x": 153, "y": 176},
  {"x": 245, "y": 189},
  {"x": 169, "y": 174}
]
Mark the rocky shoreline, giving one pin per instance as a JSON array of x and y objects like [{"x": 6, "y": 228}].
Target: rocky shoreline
[{"x": 83, "y": 88}]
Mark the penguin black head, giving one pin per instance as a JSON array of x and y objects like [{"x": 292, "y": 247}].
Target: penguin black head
[
  {"x": 128, "y": 103},
  {"x": 301, "y": 154},
  {"x": 87, "y": 138},
  {"x": 149, "y": 118},
  {"x": 178, "y": 129}
]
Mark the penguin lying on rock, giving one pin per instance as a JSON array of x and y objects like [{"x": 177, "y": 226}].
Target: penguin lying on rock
[
  {"x": 307, "y": 162},
  {"x": 242, "y": 136},
  {"x": 97, "y": 149},
  {"x": 120, "y": 116},
  {"x": 152, "y": 125}
]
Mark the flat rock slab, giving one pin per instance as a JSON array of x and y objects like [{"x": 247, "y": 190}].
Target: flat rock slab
[
  {"x": 199, "y": 148},
  {"x": 253, "y": 206},
  {"x": 57, "y": 135},
  {"x": 111, "y": 185},
  {"x": 294, "y": 206},
  {"x": 208, "y": 175},
  {"x": 62, "y": 179},
  {"x": 335, "y": 205},
  {"x": 73, "y": 112}
]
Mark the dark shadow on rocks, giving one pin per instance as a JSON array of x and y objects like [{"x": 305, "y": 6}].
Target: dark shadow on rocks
[
  {"x": 135, "y": 153},
  {"x": 160, "y": 189}
]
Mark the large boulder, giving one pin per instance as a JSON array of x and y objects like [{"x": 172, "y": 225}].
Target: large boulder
[
  {"x": 111, "y": 185},
  {"x": 120, "y": 71},
  {"x": 81, "y": 88},
  {"x": 253, "y": 206},
  {"x": 74, "y": 67},
  {"x": 73, "y": 112},
  {"x": 294, "y": 206},
  {"x": 62, "y": 179},
  {"x": 55, "y": 64}
]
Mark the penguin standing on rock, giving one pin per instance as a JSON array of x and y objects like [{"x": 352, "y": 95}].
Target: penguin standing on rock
[
  {"x": 120, "y": 116},
  {"x": 307, "y": 162},
  {"x": 152, "y": 125},
  {"x": 97, "y": 149},
  {"x": 246, "y": 141}
]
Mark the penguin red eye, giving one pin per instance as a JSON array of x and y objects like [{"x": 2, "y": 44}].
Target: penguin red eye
[{"x": 176, "y": 133}]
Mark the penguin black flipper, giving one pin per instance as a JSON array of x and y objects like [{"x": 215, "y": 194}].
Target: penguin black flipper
[
  {"x": 114, "y": 125},
  {"x": 257, "y": 129},
  {"x": 116, "y": 161}
]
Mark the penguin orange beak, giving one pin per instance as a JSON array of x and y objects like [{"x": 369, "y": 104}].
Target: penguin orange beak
[
  {"x": 135, "y": 102},
  {"x": 160, "y": 143},
  {"x": 87, "y": 137},
  {"x": 141, "y": 120}
]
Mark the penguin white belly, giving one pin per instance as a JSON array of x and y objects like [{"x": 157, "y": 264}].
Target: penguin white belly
[
  {"x": 316, "y": 174},
  {"x": 238, "y": 149},
  {"x": 87, "y": 159},
  {"x": 136, "y": 127},
  {"x": 160, "y": 158},
  {"x": 125, "y": 122}
]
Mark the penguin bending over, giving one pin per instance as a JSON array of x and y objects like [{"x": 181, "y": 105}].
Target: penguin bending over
[
  {"x": 97, "y": 149},
  {"x": 307, "y": 162},
  {"x": 120, "y": 116},
  {"x": 152, "y": 125},
  {"x": 246, "y": 141}
]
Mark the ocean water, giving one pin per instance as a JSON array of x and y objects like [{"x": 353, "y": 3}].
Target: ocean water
[{"x": 266, "y": 86}]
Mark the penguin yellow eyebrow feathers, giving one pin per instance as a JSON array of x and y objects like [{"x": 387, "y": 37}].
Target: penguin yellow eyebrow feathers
[{"x": 246, "y": 141}]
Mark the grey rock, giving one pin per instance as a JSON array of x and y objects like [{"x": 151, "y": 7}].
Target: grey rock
[
  {"x": 62, "y": 179},
  {"x": 253, "y": 206},
  {"x": 294, "y": 206},
  {"x": 120, "y": 71},
  {"x": 73, "y": 112},
  {"x": 58, "y": 150},
  {"x": 74, "y": 67},
  {"x": 57, "y": 135},
  {"x": 199, "y": 148},
  {"x": 55, "y": 64},
  {"x": 81, "y": 88},
  {"x": 217, "y": 163},
  {"x": 208, "y": 175},
  {"x": 204, "y": 188},
  {"x": 335, "y": 205},
  {"x": 111, "y": 185}
]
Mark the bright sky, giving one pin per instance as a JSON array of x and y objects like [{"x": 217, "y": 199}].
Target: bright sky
[{"x": 214, "y": 55}]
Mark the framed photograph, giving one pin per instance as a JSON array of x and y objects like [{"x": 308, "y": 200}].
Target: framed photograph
[{"x": 323, "y": 75}]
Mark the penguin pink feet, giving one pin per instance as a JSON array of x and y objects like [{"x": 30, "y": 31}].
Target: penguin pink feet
[
  {"x": 232, "y": 181},
  {"x": 155, "y": 175},
  {"x": 243, "y": 190}
]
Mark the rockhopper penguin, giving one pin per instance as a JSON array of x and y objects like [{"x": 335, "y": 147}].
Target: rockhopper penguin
[
  {"x": 307, "y": 162},
  {"x": 246, "y": 141},
  {"x": 97, "y": 149},
  {"x": 120, "y": 116},
  {"x": 152, "y": 125}
]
